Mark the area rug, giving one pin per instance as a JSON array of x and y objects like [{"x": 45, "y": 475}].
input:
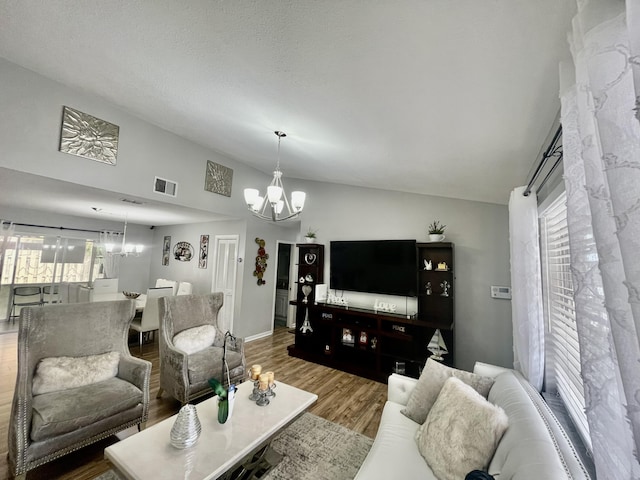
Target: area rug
[{"x": 313, "y": 449}]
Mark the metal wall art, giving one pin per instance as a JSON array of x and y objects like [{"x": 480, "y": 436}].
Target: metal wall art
[
  {"x": 166, "y": 249},
  {"x": 183, "y": 251},
  {"x": 218, "y": 179},
  {"x": 88, "y": 137},
  {"x": 204, "y": 251},
  {"x": 261, "y": 261}
]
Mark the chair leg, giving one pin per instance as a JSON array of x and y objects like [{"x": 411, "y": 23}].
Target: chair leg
[
  {"x": 22, "y": 476},
  {"x": 140, "y": 343},
  {"x": 142, "y": 426},
  {"x": 159, "y": 394}
]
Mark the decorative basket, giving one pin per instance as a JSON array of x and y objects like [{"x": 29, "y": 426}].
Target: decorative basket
[
  {"x": 186, "y": 429},
  {"x": 131, "y": 295}
]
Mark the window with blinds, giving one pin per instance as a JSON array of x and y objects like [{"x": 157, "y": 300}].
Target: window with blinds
[{"x": 562, "y": 356}]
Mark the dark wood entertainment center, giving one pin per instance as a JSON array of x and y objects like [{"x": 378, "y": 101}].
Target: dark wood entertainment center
[{"x": 370, "y": 344}]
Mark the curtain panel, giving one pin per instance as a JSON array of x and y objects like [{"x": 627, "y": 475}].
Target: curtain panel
[
  {"x": 526, "y": 287},
  {"x": 601, "y": 143}
]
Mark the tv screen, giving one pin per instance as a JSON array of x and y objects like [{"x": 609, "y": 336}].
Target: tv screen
[{"x": 374, "y": 266}]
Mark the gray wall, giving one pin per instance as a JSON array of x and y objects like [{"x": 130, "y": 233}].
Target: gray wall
[{"x": 31, "y": 107}]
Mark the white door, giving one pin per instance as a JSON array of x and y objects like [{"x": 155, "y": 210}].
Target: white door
[{"x": 224, "y": 276}]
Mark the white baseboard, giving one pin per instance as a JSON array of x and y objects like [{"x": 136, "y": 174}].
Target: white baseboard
[{"x": 257, "y": 336}]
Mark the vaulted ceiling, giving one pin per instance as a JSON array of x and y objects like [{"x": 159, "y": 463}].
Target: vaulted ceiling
[{"x": 445, "y": 97}]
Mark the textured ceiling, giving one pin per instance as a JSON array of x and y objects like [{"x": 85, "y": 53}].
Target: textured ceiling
[{"x": 443, "y": 97}]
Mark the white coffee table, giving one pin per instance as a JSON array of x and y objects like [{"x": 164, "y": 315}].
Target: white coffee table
[{"x": 221, "y": 447}]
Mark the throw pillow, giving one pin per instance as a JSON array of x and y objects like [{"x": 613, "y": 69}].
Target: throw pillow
[
  {"x": 61, "y": 373},
  {"x": 194, "y": 339},
  {"x": 430, "y": 383},
  {"x": 461, "y": 432}
]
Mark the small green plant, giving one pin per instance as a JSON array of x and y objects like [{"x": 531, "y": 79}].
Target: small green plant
[
  {"x": 311, "y": 233},
  {"x": 436, "y": 228}
]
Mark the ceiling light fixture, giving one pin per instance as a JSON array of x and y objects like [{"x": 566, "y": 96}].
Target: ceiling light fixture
[
  {"x": 109, "y": 239},
  {"x": 276, "y": 197}
]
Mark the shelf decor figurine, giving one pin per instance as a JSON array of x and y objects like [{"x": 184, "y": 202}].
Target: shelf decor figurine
[
  {"x": 437, "y": 347},
  {"x": 445, "y": 288},
  {"x": 306, "y": 325},
  {"x": 436, "y": 231},
  {"x": 428, "y": 288},
  {"x": 306, "y": 290},
  {"x": 428, "y": 265}
]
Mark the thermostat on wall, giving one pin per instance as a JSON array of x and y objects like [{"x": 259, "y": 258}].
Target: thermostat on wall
[{"x": 501, "y": 292}]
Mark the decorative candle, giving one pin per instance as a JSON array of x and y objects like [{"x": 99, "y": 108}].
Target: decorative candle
[
  {"x": 270, "y": 377},
  {"x": 264, "y": 381},
  {"x": 256, "y": 370}
]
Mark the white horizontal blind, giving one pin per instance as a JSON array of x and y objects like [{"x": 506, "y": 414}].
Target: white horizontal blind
[{"x": 563, "y": 349}]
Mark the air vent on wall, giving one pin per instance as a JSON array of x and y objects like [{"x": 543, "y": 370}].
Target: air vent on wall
[
  {"x": 128, "y": 200},
  {"x": 164, "y": 186}
]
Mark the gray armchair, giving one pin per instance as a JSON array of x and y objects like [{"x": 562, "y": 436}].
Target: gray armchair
[
  {"x": 185, "y": 376},
  {"x": 47, "y": 425}
]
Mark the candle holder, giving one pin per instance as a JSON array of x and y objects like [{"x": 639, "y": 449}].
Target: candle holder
[
  {"x": 262, "y": 401},
  {"x": 270, "y": 390},
  {"x": 255, "y": 393}
]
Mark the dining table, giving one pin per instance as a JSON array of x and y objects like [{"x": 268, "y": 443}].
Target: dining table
[{"x": 115, "y": 296}]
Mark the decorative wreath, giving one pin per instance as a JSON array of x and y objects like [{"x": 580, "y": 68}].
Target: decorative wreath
[{"x": 261, "y": 261}]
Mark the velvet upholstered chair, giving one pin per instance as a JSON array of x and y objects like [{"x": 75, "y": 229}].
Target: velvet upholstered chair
[
  {"x": 76, "y": 383},
  {"x": 191, "y": 347}
]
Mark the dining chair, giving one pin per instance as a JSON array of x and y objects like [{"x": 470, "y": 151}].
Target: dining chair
[
  {"x": 51, "y": 294},
  {"x": 185, "y": 288},
  {"x": 163, "y": 282},
  {"x": 149, "y": 321},
  {"x": 25, "y": 297}
]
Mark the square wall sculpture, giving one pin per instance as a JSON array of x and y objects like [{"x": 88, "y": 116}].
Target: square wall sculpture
[
  {"x": 218, "y": 179},
  {"x": 88, "y": 137}
]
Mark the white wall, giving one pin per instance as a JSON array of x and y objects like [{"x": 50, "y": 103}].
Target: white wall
[
  {"x": 479, "y": 231},
  {"x": 30, "y": 116}
]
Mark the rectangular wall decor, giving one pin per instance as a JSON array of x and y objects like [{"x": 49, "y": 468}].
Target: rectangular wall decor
[
  {"x": 204, "y": 251},
  {"x": 166, "y": 249},
  {"x": 218, "y": 179},
  {"x": 88, "y": 137}
]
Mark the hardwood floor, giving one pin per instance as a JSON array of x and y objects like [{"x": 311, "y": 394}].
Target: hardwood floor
[{"x": 346, "y": 399}]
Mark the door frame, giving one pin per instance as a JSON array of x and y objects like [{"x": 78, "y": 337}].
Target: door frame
[
  {"x": 216, "y": 246},
  {"x": 291, "y": 291}
]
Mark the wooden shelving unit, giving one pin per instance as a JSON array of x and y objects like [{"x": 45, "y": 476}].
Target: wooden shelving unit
[{"x": 372, "y": 344}]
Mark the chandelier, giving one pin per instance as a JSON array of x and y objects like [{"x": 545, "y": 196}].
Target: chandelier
[
  {"x": 124, "y": 249},
  {"x": 276, "y": 201}
]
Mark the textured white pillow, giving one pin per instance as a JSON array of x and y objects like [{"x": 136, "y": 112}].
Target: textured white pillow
[
  {"x": 194, "y": 339},
  {"x": 430, "y": 383},
  {"x": 60, "y": 373},
  {"x": 461, "y": 432}
]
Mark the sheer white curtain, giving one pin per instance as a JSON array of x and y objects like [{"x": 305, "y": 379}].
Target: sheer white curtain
[
  {"x": 526, "y": 287},
  {"x": 601, "y": 143},
  {"x": 110, "y": 263}
]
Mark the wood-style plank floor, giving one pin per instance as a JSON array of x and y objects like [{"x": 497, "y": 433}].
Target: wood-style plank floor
[{"x": 346, "y": 399}]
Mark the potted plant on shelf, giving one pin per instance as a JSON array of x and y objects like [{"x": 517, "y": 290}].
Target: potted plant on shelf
[
  {"x": 310, "y": 236},
  {"x": 436, "y": 231}
]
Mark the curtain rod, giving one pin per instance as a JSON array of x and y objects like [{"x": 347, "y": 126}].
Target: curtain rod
[
  {"x": 60, "y": 228},
  {"x": 552, "y": 150}
]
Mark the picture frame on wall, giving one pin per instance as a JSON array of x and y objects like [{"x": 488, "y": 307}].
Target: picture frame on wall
[
  {"x": 204, "y": 251},
  {"x": 166, "y": 249}
]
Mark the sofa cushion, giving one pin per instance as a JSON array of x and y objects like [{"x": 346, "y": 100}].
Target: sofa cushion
[
  {"x": 194, "y": 339},
  {"x": 60, "y": 412},
  {"x": 431, "y": 381},
  {"x": 394, "y": 453},
  {"x": 461, "y": 431},
  {"x": 61, "y": 373},
  {"x": 207, "y": 364}
]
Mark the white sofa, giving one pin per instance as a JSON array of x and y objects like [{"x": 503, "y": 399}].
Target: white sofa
[{"x": 534, "y": 446}]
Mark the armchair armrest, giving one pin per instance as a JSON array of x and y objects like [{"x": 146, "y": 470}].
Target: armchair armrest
[
  {"x": 135, "y": 370},
  {"x": 399, "y": 388}
]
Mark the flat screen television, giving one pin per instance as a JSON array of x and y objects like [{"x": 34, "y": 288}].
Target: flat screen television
[{"x": 374, "y": 266}]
